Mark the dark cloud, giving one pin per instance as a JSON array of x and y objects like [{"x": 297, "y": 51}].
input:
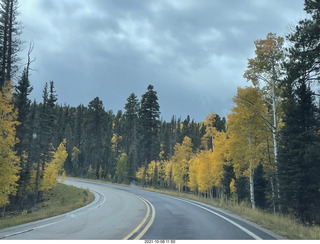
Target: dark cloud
[{"x": 193, "y": 52}]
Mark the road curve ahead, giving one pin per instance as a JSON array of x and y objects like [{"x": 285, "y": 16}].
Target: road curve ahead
[
  {"x": 132, "y": 213},
  {"x": 182, "y": 219},
  {"x": 113, "y": 215}
]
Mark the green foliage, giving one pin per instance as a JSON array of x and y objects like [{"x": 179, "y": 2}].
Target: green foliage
[
  {"x": 299, "y": 155},
  {"x": 149, "y": 114}
]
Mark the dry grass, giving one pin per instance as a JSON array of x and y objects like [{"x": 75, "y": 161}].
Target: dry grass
[{"x": 62, "y": 199}]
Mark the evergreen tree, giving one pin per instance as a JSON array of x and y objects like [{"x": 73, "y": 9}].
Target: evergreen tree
[
  {"x": 260, "y": 187},
  {"x": 10, "y": 43},
  {"x": 149, "y": 119},
  {"x": 98, "y": 133},
  {"x": 131, "y": 134},
  {"x": 22, "y": 103},
  {"x": 23, "y": 133},
  {"x": 299, "y": 155}
]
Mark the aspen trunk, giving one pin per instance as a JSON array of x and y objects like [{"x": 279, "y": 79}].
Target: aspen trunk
[
  {"x": 253, "y": 204},
  {"x": 275, "y": 135}
]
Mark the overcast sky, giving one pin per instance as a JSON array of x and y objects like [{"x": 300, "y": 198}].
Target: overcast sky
[{"x": 194, "y": 52}]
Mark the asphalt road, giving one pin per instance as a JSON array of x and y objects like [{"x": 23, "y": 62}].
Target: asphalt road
[{"x": 131, "y": 213}]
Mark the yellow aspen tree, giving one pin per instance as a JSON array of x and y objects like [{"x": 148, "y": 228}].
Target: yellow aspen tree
[
  {"x": 180, "y": 160},
  {"x": 9, "y": 161},
  {"x": 248, "y": 133},
  {"x": 141, "y": 174},
  {"x": 265, "y": 71},
  {"x": 150, "y": 171},
  {"x": 204, "y": 176},
  {"x": 207, "y": 139},
  {"x": 51, "y": 172},
  {"x": 193, "y": 170},
  {"x": 219, "y": 157},
  {"x": 233, "y": 191}
]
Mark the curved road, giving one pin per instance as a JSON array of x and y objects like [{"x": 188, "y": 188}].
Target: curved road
[{"x": 130, "y": 213}]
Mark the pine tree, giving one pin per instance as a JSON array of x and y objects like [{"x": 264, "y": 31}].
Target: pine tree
[
  {"x": 299, "y": 155},
  {"x": 131, "y": 134},
  {"x": 22, "y": 103},
  {"x": 300, "y": 141},
  {"x": 10, "y": 43},
  {"x": 96, "y": 148},
  {"x": 23, "y": 133},
  {"x": 44, "y": 135},
  {"x": 149, "y": 119}
]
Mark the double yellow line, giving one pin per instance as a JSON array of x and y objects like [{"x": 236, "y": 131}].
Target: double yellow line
[{"x": 143, "y": 222}]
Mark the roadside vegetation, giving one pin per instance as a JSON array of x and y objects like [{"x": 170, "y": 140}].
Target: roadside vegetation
[{"x": 60, "y": 199}]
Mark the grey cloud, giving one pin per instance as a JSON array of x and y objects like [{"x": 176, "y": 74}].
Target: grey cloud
[{"x": 193, "y": 52}]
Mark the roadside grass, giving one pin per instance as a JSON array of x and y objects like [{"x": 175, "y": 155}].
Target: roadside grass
[
  {"x": 61, "y": 199},
  {"x": 286, "y": 226}
]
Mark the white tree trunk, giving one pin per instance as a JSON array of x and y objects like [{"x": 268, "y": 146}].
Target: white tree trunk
[
  {"x": 253, "y": 203},
  {"x": 275, "y": 134}
]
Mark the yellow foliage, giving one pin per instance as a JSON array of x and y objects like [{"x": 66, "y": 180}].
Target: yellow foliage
[
  {"x": 116, "y": 139},
  {"x": 150, "y": 170},
  {"x": 247, "y": 131},
  {"x": 140, "y": 173},
  {"x": 9, "y": 162},
  {"x": 211, "y": 131},
  {"x": 180, "y": 162},
  {"x": 233, "y": 186},
  {"x": 204, "y": 163},
  {"x": 51, "y": 172},
  {"x": 193, "y": 170},
  {"x": 219, "y": 157}
]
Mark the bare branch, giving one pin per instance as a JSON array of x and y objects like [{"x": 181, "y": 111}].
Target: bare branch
[{"x": 30, "y": 61}]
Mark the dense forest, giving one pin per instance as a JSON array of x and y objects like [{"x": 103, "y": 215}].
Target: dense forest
[{"x": 266, "y": 152}]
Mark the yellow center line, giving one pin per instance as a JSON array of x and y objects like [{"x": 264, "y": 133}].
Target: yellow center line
[
  {"x": 143, "y": 221},
  {"x": 149, "y": 224}
]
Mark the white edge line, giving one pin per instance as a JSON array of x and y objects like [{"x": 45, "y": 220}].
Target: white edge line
[{"x": 229, "y": 220}]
